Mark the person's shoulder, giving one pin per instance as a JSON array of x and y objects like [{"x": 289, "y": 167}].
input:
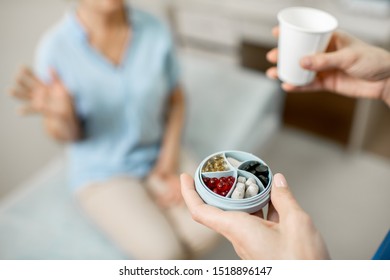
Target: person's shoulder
[
  {"x": 148, "y": 21},
  {"x": 144, "y": 17},
  {"x": 51, "y": 43},
  {"x": 53, "y": 38}
]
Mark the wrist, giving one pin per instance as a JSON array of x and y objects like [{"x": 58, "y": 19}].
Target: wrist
[
  {"x": 63, "y": 129},
  {"x": 166, "y": 165},
  {"x": 386, "y": 92}
]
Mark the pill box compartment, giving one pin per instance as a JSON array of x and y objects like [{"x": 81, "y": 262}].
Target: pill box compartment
[
  {"x": 249, "y": 175},
  {"x": 220, "y": 183},
  {"x": 256, "y": 168}
]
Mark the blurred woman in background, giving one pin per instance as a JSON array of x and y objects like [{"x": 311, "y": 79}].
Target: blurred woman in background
[{"x": 106, "y": 84}]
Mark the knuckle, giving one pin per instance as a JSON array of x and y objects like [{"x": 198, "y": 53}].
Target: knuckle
[
  {"x": 195, "y": 215},
  {"x": 350, "y": 59},
  {"x": 320, "y": 61}
]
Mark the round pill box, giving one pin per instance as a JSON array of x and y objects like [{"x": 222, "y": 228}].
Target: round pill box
[{"x": 233, "y": 165}]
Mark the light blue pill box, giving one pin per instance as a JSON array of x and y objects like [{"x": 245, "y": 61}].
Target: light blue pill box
[{"x": 233, "y": 168}]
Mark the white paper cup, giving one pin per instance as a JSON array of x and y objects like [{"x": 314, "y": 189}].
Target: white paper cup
[{"x": 303, "y": 31}]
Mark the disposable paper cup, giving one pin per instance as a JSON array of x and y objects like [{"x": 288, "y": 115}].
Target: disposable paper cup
[
  {"x": 303, "y": 31},
  {"x": 243, "y": 159}
]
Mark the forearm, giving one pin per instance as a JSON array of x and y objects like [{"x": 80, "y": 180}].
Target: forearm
[{"x": 170, "y": 150}]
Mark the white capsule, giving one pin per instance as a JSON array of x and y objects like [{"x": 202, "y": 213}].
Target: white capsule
[
  {"x": 235, "y": 163},
  {"x": 239, "y": 191},
  {"x": 252, "y": 190},
  {"x": 241, "y": 179},
  {"x": 250, "y": 181}
]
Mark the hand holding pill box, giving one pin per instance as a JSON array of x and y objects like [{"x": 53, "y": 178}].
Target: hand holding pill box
[{"x": 234, "y": 180}]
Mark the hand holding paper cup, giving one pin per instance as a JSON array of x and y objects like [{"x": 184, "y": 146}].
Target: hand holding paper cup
[{"x": 303, "y": 31}]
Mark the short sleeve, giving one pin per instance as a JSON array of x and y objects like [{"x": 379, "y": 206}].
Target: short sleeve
[{"x": 44, "y": 60}]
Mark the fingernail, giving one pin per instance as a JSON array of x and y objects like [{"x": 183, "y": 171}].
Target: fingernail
[
  {"x": 280, "y": 181},
  {"x": 306, "y": 62}
]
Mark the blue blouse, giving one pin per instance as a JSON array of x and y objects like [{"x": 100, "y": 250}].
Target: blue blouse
[{"x": 122, "y": 107}]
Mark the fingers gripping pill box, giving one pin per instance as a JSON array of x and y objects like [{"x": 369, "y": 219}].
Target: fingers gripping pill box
[{"x": 234, "y": 180}]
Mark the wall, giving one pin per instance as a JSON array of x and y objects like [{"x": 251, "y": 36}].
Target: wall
[{"x": 24, "y": 146}]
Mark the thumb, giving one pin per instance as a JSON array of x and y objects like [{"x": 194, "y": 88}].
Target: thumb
[
  {"x": 324, "y": 61},
  {"x": 282, "y": 198}
]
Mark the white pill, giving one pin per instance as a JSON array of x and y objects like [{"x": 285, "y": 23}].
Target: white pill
[
  {"x": 239, "y": 191},
  {"x": 241, "y": 179},
  {"x": 250, "y": 181},
  {"x": 235, "y": 163},
  {"x": 252, "y": 190}
]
